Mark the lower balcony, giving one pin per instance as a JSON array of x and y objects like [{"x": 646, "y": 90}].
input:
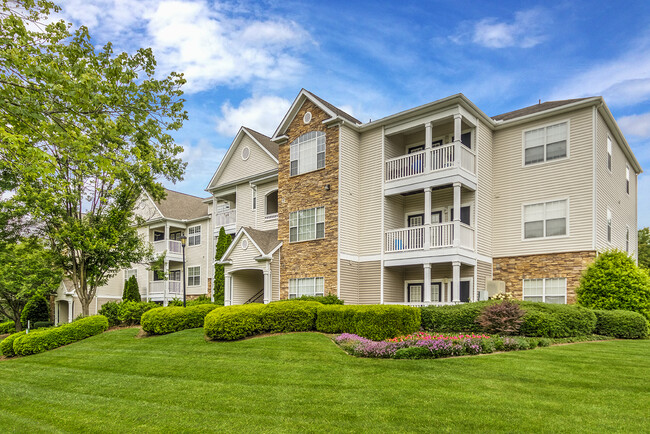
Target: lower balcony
[{"x": 163, "y": 291}]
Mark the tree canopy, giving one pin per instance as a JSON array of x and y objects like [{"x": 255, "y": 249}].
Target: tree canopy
[{"x": 644, "y": 248}]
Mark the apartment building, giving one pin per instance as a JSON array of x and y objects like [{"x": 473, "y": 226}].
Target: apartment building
[{"x": 433, "y": 205}]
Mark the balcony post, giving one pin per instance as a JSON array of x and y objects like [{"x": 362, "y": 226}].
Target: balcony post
[
  {"x": 227, "y": 290},
  {"x": 267, "y": 286},
  {"x": 457, "y": 133},
  {"x": 456, "y": 282},
  {"x": 427, "y": 217},
  {"x": 456, "y": 237},
  {"x": 166, "y": 276},
  {"x": 428, "y": 138},
  {"x": 427, "y": 283}
]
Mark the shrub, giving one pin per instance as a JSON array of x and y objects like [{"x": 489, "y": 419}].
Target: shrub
[
  {"x": 7, "y": 327},
  {"x": 36, "y": 309},
  {"x": 202, "y": 299},
  {"x": 327, "y": 299},
  {"x": 111, "y": 311},
  {"x": 50, "y": 338},
  {"x": 234, "y": 322},
  {"x": 335, "y": 318},
  {"x": 163, "y": 320},
  {"x": 130, "y": 312},
  {"x": 378, "y": 322},
  {"x": 413, "y": 353},
  {"x": 299, "y": 316},
  {"x": 614, "y": 282},
  {"x": 42, "y": 324},
  {"x": 556, "y": 320},
  {"x": 131, "y": 290},
  {"x": 459, "y": 318},
  {"x": 621, "y": 324},
  {"x": 175, "y": 302},
  {"x": 7, "y": 344},
  {"x": 501, "y": 318}
]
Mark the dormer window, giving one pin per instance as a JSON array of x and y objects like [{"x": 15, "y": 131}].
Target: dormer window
[{"x": 308, "y": 153}]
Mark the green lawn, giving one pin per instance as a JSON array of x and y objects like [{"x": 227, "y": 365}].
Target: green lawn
[{"x": 303, "y": 382}]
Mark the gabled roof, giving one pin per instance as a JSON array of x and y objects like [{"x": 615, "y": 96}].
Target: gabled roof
[
  {"x": 266, "y": 242},
  {"x": 333, "y": 111},
  {"x": 264, "y": 142},
  {"x": 542, "y": 106},
  {"x": 181, "y": 206}
]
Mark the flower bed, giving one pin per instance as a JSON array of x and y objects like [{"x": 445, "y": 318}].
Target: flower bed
[{"x": 424, "y": 345}]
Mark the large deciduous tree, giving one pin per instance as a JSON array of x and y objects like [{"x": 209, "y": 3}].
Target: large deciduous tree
[
  {"x": 83, "y": 132},
  {"x": 644, "y": 248}
]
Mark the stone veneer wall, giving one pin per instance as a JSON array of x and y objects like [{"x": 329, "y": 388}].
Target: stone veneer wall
[
  {"x": 316, "y": 258},
  {"x": 512, "y": 270}
]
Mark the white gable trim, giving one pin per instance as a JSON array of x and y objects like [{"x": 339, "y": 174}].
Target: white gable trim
[
  {"x": 153, "y": 203},
  {"x": 293, "y": 110},
  {"x": 224, "y": 162},
  {"x": 235, "y": 242}
]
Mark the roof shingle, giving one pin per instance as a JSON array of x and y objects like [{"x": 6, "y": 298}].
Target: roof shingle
[
  {"x": 181, "y": 206},
  {"x": 335, "y": 109},
  {"x": 535, "y": 109},
  {"x": 266, "y": 240},
  {"x": 265, "y": 141}
]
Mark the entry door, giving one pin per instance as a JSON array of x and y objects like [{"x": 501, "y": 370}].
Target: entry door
[
  {"x": 464, "y": 290},
  {"x": 436, "y": 217},
  {"x": 175, "y": 275},
  {"x": 415, "y": 293},
  {"x": 464, "y": 214},
  {"x": 436, "y": 291},
  {"x": 415, "y": 220}
]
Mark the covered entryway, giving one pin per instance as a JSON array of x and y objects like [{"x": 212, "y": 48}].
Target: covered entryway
[{"x": 247, "y": 286}]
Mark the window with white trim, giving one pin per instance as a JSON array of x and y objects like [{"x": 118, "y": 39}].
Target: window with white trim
[
  {"x": 546, "y": 219},
  {"x": 609, "y": 153},
  {"x": 307, "y": 224},
  {"x": 254, "y": 196},
  {"x": 627, "y": 239},
  {"x": 194, "y": 276},
  {"x": 551, "y": 290},
  {"x": 627, "y": 179},
  {"x": 314, "y": 286},
  {"x": 609, "y": 226},
  {"x": 308, "y": 153},
  {"x": 129, "y": 273},
  {"x": 194, "y": 236},
  {"x": 545, "y": 144}
]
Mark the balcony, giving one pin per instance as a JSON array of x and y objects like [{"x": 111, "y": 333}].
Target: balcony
[
  {"x": 173, "y": 249},
  {"x": 409, "y": 243},
  {"x": 164, "y": 290},
  {"x": 435, "y": 166},
  {"x": 227, "y": 220}
]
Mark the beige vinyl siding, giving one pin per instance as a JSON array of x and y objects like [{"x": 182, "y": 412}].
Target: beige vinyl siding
[
  {"x": 393, "y": 285},
  {"x": 484, "y": 191},
  {"x": 258, "y": 162},
  {"x": 483, "y": 273},
  {"x": 370, "y": 192},
  {"x": 349, "y": 176},
  {"x": 275, "y": 276},
  {"x": 369, "y": 282},
  {"x": 261, "y": 223},
  {"x": 441, "y": 200},
  {"x": 146, "y": 209},
  {"x": 515, "y": 184},
  {"x": 349, "y": 277},
  {"x": 246, "y": 216},
  {"x": 246, "y": 284},
  {"x": 198, "y": 256},
  {"x": 610, "y": 193},
  {"x": 243, "y": 258},
  {"x": 393, "y": 212}
]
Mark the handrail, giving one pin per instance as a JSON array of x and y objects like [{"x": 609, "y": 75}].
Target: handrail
[{"x": 254, "y": 298}]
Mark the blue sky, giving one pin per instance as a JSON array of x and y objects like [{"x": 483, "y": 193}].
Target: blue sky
[{"x": 246, "y": 61}]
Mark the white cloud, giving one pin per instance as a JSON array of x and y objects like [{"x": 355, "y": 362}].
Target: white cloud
[
  {"x": 636, "y": 125},
  {"x": 526, "y": 30},
  {"x": 202, "y": 160},
  {"x": 262, "y": 114},
  {"x": 643, "y": 212}
]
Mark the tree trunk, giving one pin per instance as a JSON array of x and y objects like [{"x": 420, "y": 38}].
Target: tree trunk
[{"x": 19, "y": 326}]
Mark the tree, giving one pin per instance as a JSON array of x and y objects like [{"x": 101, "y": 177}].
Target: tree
[
  {"x": 223, "y": 242},
  {"x": 37, "y": 309},
  {"x": 26, "y": 268},
  {"x": 131, "y": 290},
  {"x": 614, "y": 281},
  {"x": 83, "y": 132},
  {"x": 644, "y": 248}
]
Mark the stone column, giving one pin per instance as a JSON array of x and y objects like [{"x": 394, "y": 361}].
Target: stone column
[
  {"x": 457, "y": 133},
  {"x": 227, "y": 290},
  {"x": 267, "y": 286},
  {"x": 456, "y": 238},
  {"x": 456, "y": 282},
  {"x": 427, "y": 283}
]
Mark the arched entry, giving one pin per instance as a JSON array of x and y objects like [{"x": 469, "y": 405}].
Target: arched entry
[
  {"x": 247, "y": 286},
  {"x": 62, "y": 312}
]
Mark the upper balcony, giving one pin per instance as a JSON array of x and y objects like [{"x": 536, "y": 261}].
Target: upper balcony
[
  {"x": 226, "y": 219},
  {"x": 172, "y": 248}
]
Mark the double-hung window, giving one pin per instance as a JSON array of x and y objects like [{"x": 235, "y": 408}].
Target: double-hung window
[
  {"x": 609, "y": 153},
  {"x": 545, "y": 290},
  {"x": 627, "y": 179},
  {"x": 307, "y": 224},
  {"x": 194, "y": 236},
  {"x": 314, "y": 286},
  {"x": 194, "y": 276},
  {"x": 308, "y": 153},
  {"x": 546, "y": 219},
  {"x": 546, "y": 144},
  {"x": 254, "y": 196}
]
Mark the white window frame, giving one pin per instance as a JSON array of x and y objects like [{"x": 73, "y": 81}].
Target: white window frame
[
  {"x": 253, "y": 197},
  {"x": 523, "y": 221},
  {"x": 545, "y": 126},
  {"x": 609, "y": 225},
  {"x": 316, "y": 223},
  {"x": 446, "y": 288},
  {"x": 544, "y": 279},
  {"x": 610, "y": 158},
  {"x": 194, "y": 233},
  {"x": 128, "y": 272},
  {"x": 193, "y": 277},
  {"x": 295, "y": 151},
  {"x": 627, "y": 179},
  {"x": 315, "y": 282}
]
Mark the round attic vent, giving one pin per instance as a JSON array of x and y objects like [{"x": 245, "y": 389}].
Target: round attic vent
[
  {"x": 307, "y": 118},
  {"x": 245, "y": 153},
  {"x": 244, "y": 244}
]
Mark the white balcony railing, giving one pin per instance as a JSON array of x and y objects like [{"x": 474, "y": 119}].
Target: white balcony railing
[
  {"x": 175, "y": 287},
  {"x": 442, "y": 235},
  {"x": 225, "y": 218},
  {"x": 158, "y": 287},
  {"x": 466, "y": 236},
  {"x": 440, "y": 158},
  {"x": 405, "y": 239},
  {"x": 270, "y": 217},
  {"x": 170, "y": 246}
]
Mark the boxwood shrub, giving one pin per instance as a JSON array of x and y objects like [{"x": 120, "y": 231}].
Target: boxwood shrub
[
  {"x": 130, "y": 312},
  {"x": 111, "y": 310},
  {"x": 621, "y": 324},
  {"x": 459, "y": 318},
  {"x": 297, "y": 316},
  {"x": 163, "y": 320},
  {"x": 557, "y": 320},
  {"x": 335, "y": 318},
  {"x": 7, "y": 327},
  {"x": 50, "y": 338},
  {"x": 376, "y": 322},
  {"x": 7, "y": 344},
  {"x": 234, "y": 322},
  {"x": 322, "y": 299}
]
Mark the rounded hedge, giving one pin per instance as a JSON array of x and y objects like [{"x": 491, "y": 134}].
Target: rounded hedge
[
  {"x": 335, "y": 318},
  {"x": 130, "y": 312},
  {"x": 376, "y": 322},
  {"x": 50, "y": 338},
  {"x": 163, "y": 320},
  {"x": 297, "y": 316},
  {"x": 7, "y": 344},
  {"x": 7, "y": 327},
  {"x": 621, "y": 324},
  {"x": 454, "y": 318},
  {"x": 557, "y": 320},
  {"x": 234, "y": 322}
]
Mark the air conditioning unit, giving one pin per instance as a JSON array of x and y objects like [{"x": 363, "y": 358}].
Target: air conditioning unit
[{"x": 482, "y": 295}]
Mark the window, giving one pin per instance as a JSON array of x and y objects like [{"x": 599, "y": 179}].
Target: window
[
  {"x": 158, "y": 275},
  {"x": 308, "y": 224},
  {"x": 308, "y": 153},
  {"x": 194, "y": 276},
  {"x": 254, "y": 196},
  {"x": 627, "y": 179},
  {"x": 129, "y": 273},
  {"x": 609, "y": 226},
  {"x": 545, "y": 144},
  {"x": 272, "y": 202},
  {"x": 627, "y": 239},
  {"x": 314, "y": 286},
  {"x": 546, "y": 290},
  {"x": 547, "y": 219},
  {"x": 609, "y": 153},
  {"x": 194, "y": 238}
]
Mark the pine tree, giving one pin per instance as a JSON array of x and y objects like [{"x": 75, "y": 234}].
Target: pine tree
[
  {"x": 223, "y": 242},
  {"x": 131, "y": 290}
]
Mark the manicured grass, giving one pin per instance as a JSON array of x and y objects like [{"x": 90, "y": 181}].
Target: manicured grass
[{"x": 303, "y": 382}]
